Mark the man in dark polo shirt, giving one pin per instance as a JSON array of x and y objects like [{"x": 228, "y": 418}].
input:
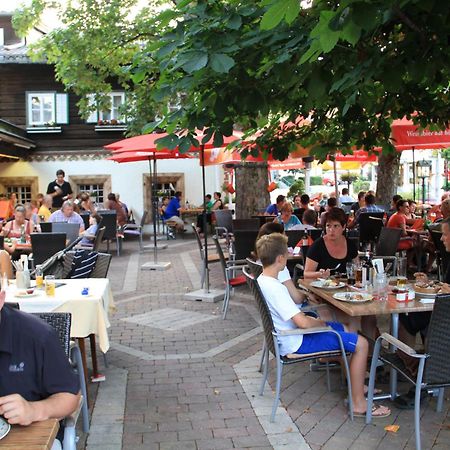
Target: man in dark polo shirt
[
  {"x": 36, "y": 380},
  {"x": 59, "y": 189}
]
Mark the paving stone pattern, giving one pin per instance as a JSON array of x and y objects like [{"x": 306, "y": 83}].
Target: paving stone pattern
[{"x": 182, "y": 378}]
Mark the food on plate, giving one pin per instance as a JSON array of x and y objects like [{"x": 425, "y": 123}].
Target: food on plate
[
  {"x": 421, "y": 277},
  {"x": 330, "y": 283},
  {"x": 428, "y": 287}
]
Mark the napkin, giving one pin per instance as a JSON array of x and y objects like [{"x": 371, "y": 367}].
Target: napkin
[{"x": 378, "y": 264}]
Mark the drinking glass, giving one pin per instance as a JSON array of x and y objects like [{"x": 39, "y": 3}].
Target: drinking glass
[
  {"x": 50, "y": 285},
  {"x": 358, "y": 274},
  {"x": 350, "y": 268},
  {"x": 401, "y": 272},
  {"x": 380, "y": 286},
  {"x": 39, "y": 276}
]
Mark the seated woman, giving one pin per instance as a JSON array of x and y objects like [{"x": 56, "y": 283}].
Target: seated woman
[
  {"x": 15, "y": 227},
  {"x": 113, "y": 205},
  {"x": 287, "y": 218},
  {"x": 334, "y": 251},
  {"x": 398, "y": 220},
  {"x": 89, "y": 234}
]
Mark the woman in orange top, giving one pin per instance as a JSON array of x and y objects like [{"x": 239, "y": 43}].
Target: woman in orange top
[{"x": 398, "y": 220}]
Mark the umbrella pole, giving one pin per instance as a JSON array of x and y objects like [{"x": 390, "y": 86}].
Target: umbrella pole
[
  {"x": 155, "y": 212},
  {"x": 205, "y": 222}
]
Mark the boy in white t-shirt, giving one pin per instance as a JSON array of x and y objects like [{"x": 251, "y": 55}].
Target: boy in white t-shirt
[{"x": 272, "y": 251}]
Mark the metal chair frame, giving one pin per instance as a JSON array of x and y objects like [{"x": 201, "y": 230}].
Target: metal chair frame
[
  {"x": 137, "y": 230},
  {"x": 229, "y": 271},
  {"x": 433, "y": 365},
  {"x": 272, "y": 346}
]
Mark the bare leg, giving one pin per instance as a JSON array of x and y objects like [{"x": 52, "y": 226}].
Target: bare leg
[{"x": 358, "y": 366}]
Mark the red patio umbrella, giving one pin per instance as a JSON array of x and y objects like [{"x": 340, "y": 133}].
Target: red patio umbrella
[
  {"x": 149, "y": 143},
  {"x": 121, "y": 156}
]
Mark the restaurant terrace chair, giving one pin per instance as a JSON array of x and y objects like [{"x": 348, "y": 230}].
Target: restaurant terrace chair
[
  {"x": 370, "y": 225},
  {"x": 72, "y": 230},
  {"x": 386, "y": 247},
  {"x": 109, "y": 221},
  {"x": 45, "y": 245},
  {"x": 231, "y": 280},
  {"x": 244, "y": 243},
  {"x": 224, "y": 224},
  {"x": 61, "y": 323},
  {"x": 245, "y": 224},
  {"x": 212, "y": 257},
  {"x": 133, "y": 229},
  {"x": 272, "y": 346},
  {"x": 442, "y": 256},
  {"x": 433, "y": 365}
]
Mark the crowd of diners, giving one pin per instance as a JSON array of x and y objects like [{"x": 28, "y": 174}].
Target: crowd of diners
[
  {"x": 335, "y": 249},
  {"x": 57, "y": 205}
]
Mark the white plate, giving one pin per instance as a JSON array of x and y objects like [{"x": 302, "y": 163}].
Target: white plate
[
  {"x": 25, "y": 295},
  {"x": 352, "y": 297},
  {"x": 322, "y": 285},
  {"x": 4, "y": 427},
  {"x": 426, "y": 294}
]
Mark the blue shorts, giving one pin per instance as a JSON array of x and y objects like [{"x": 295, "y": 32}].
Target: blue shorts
[{"x": 319, "y": 342}]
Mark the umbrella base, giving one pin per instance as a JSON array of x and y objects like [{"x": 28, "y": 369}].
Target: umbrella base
[
  {"x": 152, "y": 246},
  {"x": 156, "y": 266},
  {"x": 201, "y": 295}
]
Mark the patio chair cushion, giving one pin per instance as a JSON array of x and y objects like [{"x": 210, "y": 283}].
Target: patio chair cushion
[{"x": 238, "y": 281}]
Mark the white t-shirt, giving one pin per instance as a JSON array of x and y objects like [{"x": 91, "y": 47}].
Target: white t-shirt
[
  {"x": 282, "y": 308},
  {"x": 283, "y": 276}
]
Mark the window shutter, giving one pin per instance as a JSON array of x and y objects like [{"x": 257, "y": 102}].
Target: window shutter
[
  {"x": 93, "y": 116},
  {"x": 62, "y": 109}
]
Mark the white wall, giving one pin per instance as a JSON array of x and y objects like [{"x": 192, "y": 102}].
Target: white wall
[{"x": 126, "y": 178}]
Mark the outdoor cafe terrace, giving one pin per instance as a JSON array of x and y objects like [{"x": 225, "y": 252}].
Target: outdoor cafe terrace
[{"x": 180, "y": 377}]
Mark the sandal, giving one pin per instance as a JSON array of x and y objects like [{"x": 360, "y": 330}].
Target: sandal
[{"x": 377, "y": 412}]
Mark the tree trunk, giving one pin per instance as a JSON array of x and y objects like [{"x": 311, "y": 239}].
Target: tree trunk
[
  {"x": 387, "y": 178},
  {"x": 251, "y": 189}
]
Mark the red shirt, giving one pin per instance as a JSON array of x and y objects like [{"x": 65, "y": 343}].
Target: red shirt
[{"x": 397, "y": 221}]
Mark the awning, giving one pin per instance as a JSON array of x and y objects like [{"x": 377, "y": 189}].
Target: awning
[
  {"x": 13, "y": 142},
  {"x": 405, "y": 136}
]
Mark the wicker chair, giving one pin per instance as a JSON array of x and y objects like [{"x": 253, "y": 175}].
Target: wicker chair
[
  {"x": 433, "y": 365},
  {"x": 272, "y": 346},
  {"x": 442, "y": 256},
  {"x": 61, "y": 323},
  {"x": 231, "y": 281}
]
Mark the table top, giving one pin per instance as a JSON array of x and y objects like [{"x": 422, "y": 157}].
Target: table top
[
  {"x": 186, "y": 212},
  {"x": 89, "y": 312},
  {"x": 372, "y": 308},
  {"x": 38, "y": 435}
]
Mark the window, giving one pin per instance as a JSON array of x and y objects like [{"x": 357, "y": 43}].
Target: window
[
  {"x": 46, "y": 110},
  {"x": 165, "y": 190},
  {"x": 111, "y": 117},
  {"x": 23, "y": 193},
  {"x": 95, "y": 190}
]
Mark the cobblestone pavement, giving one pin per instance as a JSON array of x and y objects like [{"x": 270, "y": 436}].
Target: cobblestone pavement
[{"x": 180, "y": 377}]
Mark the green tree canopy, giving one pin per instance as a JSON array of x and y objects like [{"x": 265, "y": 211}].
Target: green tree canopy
[{"x": 350, "y": 67}]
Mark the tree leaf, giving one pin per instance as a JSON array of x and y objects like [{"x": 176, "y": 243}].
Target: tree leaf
[
  {"x": 351, "y": 32},
  {"x": 235, "y": 22},
  {"x": 292, "y": 8},
  {"x": 273, "y": 16},
  {"x": 197, "y": 60},
  {"x": 221, "y": 63},
  {"x": 170, "y": 141},
  {"x": 150, "y": 127}
]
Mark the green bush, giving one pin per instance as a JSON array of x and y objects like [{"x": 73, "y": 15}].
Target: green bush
[
  {"x": 361, "y": 184},
  {"x": 297, "y": 188},
  {"x": 316, "y": 180}
]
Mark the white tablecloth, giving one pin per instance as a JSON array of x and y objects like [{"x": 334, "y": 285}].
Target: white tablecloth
[{"x": 89, "y": 313}]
